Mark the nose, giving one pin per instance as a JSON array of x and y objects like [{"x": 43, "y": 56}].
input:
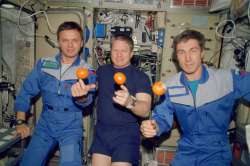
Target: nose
[
  {"x": 187, "y": 56},
  {"x": 119, "y": 53},
  {"x": 70, "y": 44}
]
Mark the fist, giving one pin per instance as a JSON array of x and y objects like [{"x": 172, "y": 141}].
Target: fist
[{"x": 149, "y": 128}]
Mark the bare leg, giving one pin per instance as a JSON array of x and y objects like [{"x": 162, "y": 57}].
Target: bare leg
[
  {"x": 121, "y": 164},
  {"x": 101, "y": 160}
]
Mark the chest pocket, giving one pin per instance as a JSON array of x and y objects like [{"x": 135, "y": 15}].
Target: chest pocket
[
  {"x": 48, "y": 82},
  {"x": 187, "y": 116},
  {"x": 52, "y": 85}
]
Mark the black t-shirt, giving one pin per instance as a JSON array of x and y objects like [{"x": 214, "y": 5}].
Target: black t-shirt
[{"x": 108, "y": 112}]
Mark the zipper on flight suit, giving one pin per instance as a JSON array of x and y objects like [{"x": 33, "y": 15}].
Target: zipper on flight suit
[
  {"x": 60, "y": 77},
  {"x": 194, "y": 101},
  {"x": 194, "y": 97}
]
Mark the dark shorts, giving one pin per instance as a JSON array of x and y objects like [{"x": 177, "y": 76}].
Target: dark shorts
[{"x": 121, "y": 143}]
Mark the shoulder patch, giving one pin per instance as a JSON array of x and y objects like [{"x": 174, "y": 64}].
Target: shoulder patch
[
  {"x": 240, "y": 72},
  {"x": 50, "y": 64},
  {"x": 243, "y": 73},
  {"x": 237, "y": 72}
]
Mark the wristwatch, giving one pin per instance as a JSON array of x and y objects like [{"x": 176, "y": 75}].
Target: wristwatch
[
  {"x": 131, "y": 103},
  {"x": 20, "y": 122}
]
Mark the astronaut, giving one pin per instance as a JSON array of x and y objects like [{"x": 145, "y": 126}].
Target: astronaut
[
  {"x": 60, "y": 122},
  {"x": 203, "y": 100},
  {"x": 120, "y": 107}
]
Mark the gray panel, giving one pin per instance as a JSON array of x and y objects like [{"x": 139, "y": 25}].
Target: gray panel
[{"x": 17, "y": 56}]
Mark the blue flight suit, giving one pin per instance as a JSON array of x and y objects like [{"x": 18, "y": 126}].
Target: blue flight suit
[
  {"x": 61, "y": 118},
  {"x": 204, "y": 118}
]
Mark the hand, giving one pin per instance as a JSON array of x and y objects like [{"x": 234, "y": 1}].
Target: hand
[
  {"x": 149, "y": 128},
  {"x": 122, "y": 96},
  {"x": 23, "y": 130},
  {"x": 80, "y": 89}
]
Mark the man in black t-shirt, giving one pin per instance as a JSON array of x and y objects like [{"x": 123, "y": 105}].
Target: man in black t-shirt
[{"x": 117, "y": 137}]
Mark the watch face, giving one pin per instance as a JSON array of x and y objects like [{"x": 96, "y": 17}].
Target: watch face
[
  {"x": 132, "y": 102},
  {"x": 20, "y": 121}
]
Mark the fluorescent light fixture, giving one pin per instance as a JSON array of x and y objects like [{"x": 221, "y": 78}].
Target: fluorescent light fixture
[{"x": 7, "y": 6}]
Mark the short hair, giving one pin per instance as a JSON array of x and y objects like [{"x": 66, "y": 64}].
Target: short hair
[
  {"x": 125, "y": 38},
  {"x": 69, "y": 25},
  {"x": 186, "y": 35}
]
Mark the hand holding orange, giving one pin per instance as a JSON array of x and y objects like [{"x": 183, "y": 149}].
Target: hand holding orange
[
  {"x": 159, "y": 88},
  {"x": 119, "y": 78},
  {"x": 82, "y": 73}
]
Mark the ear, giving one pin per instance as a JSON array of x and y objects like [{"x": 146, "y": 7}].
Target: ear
[
  {"x": 202, "y": 54},
  {"x": 131, "y": 54}
]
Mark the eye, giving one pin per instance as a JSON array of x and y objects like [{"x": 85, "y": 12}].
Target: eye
[
  {"x": 180, "y": 52},
  {"x": 124, "y": 51},
  {"x": 75, "y": 40},
  {"x": 64, "y": 40},
  {"x": 194, "y": 50}
]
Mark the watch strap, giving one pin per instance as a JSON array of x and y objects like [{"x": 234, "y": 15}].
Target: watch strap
[
  {"x": 20, "y": 122},
  {"x": 131, "y": 103}
]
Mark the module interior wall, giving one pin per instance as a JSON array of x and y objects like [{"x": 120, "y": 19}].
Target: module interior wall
[{"x": 176, "y": 23}]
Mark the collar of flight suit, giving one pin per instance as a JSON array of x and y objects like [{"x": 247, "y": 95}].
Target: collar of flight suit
[
  {"x": 70, "y": 73},
  {"x": 202, "y": 80},
  {"x": 213, "y": 85}
]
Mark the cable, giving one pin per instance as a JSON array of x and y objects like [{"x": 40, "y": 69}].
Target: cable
[
  {"x": 51, "y": 42},
  {"x": 11, "y": 13},
  {"x": 34, "y": 14},
  {"x": 46, "y": 17},
  {"x": 238, "y": 43},
  {"x": 10, "y": 74},
  {"x": 247, "y": 49},
  {"x": 248, "y": 11},
  {"x": 221, "y": 46},
  {"x": 246, "y": 60},
  {"x": 227, "y": 23},
  {"x": 19, "y": 17}
]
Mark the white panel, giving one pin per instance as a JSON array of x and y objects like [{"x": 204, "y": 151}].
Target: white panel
[{"x": 16, "y": 57}]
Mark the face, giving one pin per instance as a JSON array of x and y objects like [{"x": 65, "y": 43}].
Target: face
[
  {"x": 189, "y": 56},
  {"x": 70, "y": 42},
  {"x": 120, "y": 53}
]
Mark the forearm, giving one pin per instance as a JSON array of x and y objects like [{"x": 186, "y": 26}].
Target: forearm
[
  {"x": 163, "y": 115},
  {"x": 85, "y": 100},
  {"x": 140, "y": 105},
  {"x": 21, "y": 115},
  {"x": 141, "y": 108},
  {"x": 22, "y": 129}
]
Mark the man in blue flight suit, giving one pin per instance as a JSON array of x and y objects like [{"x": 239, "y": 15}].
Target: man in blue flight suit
[
  {"x": 203, "y": 101},
  {"x": 63, "y": 97}
]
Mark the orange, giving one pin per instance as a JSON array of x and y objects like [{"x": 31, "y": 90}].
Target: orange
[
  {"x": 159, "y": 88},
  {"x": 82, "y": 73},
  {"x": 119, "y": 78}
]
